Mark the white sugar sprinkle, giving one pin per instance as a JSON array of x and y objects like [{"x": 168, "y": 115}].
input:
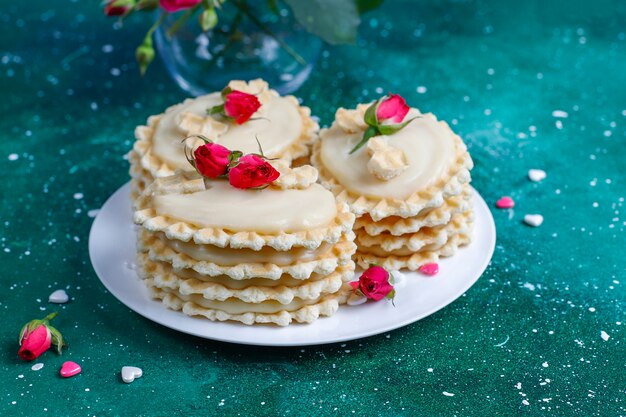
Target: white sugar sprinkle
[
  {"x": 78, "y": 196},
  {"x": 560, "y": 114},
  {"x": 592, "y": 309},
  {"x": 37, "y": 366},
  {"x": 536, "y": 175},
  {"x": 448, "y": 394},
  {"x": 93, "y": 213},
  {"x": 604, "y": 335},
  {"x": 545, "y": 364},
  {"x": 421, "y": 89},
  {"x": 13, "y": 157}
]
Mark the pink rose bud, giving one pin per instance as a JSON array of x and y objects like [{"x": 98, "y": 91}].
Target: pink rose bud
[
  {"x": 34, "y": 343},
  {"x": 118, "y": 7},
  {"x": 37, "y": 336},
  {"x": 240, "y": 106},
  {"x": 392, "y": 109},
  {"x": 211, "y": 160},
  {"x": 374, "y": 283},
  {"x": 252, "y": 171},
  {"x": 171, "y": 6}
]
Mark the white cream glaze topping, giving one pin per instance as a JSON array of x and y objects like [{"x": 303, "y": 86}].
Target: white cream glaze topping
[
  {"x": 427, "y": 144},
  {"x": 268, "y": 211},
  {"x": 280, "y": 126}
]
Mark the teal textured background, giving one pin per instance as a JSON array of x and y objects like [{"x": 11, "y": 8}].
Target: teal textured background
[{"x": 525, "y": 340}]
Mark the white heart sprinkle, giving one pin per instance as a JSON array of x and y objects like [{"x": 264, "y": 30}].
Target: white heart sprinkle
[
  {"x": 536, "y": 175},
  {"x": 37, "y": 366},
  {"x": 355, "y": 300},
  {"x": 533, "y": 220},
  {"x": 129, "y": 373},
  {"x": 399, "y": 279},
  {"x": 58, "y": 297}
]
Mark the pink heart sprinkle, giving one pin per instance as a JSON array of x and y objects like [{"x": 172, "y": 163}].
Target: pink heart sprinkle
[
  {"x": 505, "y": 203},
  {"x": 70, "y": 369},
  {"x": 429, "y": 269}
]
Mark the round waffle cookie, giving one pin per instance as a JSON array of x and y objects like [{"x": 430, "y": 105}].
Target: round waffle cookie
[
  {"x": 282, "y": 126},
  {"x": 276, "y": 255},
  {"x": 409, "y": 189}
]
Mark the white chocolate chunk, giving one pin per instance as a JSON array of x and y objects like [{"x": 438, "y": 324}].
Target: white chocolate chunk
[
  {"x": 352, "y": 120},
  {"x": 193, "y": 124},
  {"x": 386, "y": 162}
]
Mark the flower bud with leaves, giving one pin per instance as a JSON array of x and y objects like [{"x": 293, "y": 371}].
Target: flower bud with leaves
[
  {"x": 211, "y": 160},
  {"x": 384, "y": 117},
  {"x": 145, "y": 54},
  {"x": 238, "y": 106},
  {"x": 37, "y": 336},
  {"x": 375, "y": 284},
  {"x": 208, "y": 19},
  {"x": 118, "y": 7}
]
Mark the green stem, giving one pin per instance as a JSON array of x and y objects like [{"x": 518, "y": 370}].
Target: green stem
[
  {"x": 243, "y": 7},
  {"x": 155, "y": 25},
  {"x": 50, "y": 316},
  {"x": 181, "y": 20}
]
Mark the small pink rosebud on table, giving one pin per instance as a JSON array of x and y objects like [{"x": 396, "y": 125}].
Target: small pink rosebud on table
[
  {"x": 375, "y": 284},
  {"x": 37, "y": 336}
]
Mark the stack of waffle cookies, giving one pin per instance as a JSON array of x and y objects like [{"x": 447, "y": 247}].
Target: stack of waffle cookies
[
  {"x": 276, "y": 256},
  {"x": 419, "y": 213}
]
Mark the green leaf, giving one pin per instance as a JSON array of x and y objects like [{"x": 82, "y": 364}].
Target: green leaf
[
  {"x": 370, "y": 114},
  {"x": 391, "y": 295},
  {"x": 233, "y": 158},
  {"x": 369, "y": 133},
  {"x": 219, "y": 109},
  {"x": 57, "y": 339},
  {"x": 364, "y": 6},
  {"x": 391, "y": 129},
  {"x": 335, "y": 21}
]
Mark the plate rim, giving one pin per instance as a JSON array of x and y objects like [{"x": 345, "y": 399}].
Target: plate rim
[{"x": 491, "y": 228}]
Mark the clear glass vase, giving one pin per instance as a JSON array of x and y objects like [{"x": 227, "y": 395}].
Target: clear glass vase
[{"x": 250, "y": 41}]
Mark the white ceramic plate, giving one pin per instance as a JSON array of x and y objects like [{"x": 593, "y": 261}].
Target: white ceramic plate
[{"x": 112, "y": 252}]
